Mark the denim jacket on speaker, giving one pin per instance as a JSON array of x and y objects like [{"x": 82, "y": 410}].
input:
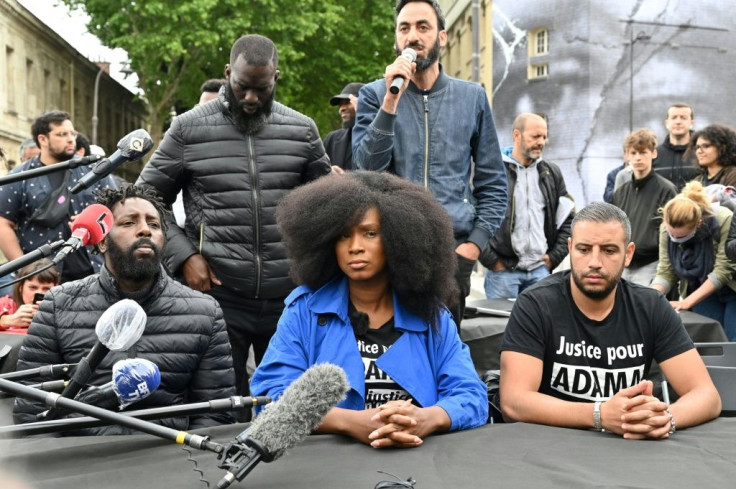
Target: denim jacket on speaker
[{"x": 444, "y": 139}]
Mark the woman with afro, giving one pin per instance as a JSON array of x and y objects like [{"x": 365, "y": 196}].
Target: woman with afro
[{"x": 373, "y": 256}]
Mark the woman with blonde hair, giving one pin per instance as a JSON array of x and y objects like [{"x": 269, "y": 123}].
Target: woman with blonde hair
[{"x": 692, "y": 250}]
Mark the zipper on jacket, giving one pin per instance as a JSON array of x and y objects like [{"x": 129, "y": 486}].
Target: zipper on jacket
[
  {"x": 201, "y": 236},
  {"x": 256, "y": 214},
  {"x": 426, "y": 141}
]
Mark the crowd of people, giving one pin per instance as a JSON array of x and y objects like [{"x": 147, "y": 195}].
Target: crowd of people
[{"x": 358, "y": 251}]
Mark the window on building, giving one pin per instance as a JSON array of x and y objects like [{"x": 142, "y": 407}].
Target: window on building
[
  {"x": 542, "y": 41},
  {"x": 46, "y": 90},
  {"x": 31, "y": 87},
  {"x": 538, "y": 46},
  {"x": 538, "y": 70},
  {"x": 10, "y": 74}
]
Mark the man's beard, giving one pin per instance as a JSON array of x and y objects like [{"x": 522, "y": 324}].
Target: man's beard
[
  {"x": 348, "y": 124},
  {"x": 127, "y": 267},
  {"x": 528, "y": 151},
  {"x": 248, "y": 123},
  {"x": 431, "y": 58},
  {"x": 61, "y": 156},
  {"x": 597, "y": 294}
]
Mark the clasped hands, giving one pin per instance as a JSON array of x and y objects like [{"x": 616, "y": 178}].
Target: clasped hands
[
  {"x": 636, "y": 414},
  {"x": 402, "y": 424}
]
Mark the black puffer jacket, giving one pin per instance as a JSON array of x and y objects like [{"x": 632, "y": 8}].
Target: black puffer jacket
[
  {"x": 232, "y": 183},
  {"x": 672, "y": 164},
  {"x": 185, "y": 336}
]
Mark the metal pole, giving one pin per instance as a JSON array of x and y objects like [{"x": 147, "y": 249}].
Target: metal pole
[
  {"x": 631, "y": 80},
  {"x": 94, "y": 106},
  {"x": 475, "y": 25}
]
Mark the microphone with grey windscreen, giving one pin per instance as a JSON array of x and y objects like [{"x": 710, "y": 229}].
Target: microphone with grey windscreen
[{"x": 285, "y": 423}]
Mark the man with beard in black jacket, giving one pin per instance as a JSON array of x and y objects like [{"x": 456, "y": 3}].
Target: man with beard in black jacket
[
  {"x": 184, "y": 335},
  {"x": 235, "y": 158}
]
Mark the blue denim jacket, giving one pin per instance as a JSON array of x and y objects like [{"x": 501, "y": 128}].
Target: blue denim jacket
[
  {"x": 433, "y": 367},
  {"x": 444, "y": 139}
]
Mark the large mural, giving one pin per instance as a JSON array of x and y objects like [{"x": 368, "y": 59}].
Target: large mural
[{"x": 682, "y": 51}]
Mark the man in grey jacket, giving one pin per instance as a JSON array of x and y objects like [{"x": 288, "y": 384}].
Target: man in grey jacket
[
  {"x": 436, "y": 131},
  {"x": 235, "y": 158},
  {"x": 184, "y": 334},
  {"x": 532, "y": 240}
]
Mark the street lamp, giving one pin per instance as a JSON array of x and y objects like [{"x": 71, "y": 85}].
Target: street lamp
[{"x": 641, "y": 36}]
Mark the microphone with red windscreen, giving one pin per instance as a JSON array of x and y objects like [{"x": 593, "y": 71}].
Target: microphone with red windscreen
[{"x": 89, "y": 228}]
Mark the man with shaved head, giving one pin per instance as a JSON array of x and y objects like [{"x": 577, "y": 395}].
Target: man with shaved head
[
  {"x": 532, "y": 239},
  {"x": 234, "y": 158}
]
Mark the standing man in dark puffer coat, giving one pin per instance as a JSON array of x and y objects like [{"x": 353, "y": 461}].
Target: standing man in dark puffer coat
[
  {"x": 184, "y": 334},
  {"x": 234, "y": 159}
]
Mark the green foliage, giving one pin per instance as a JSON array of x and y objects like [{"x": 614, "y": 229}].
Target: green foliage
[{"x": 176, "y": 45}]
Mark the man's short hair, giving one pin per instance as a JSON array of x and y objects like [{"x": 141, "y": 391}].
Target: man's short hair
[
  {"x": 213, "y": 85},
  {"x": 680, "y": 105},
  {"x": 400, "y": 4},
  {"x": 28, "y": 143},
  {"x": 109, "y": 197},
  {"x": 256, "y": 50},
  {"x": 641, "y": 139},
  {"x": 602, "y": 213},
  {"x": 42, "y": 124}
]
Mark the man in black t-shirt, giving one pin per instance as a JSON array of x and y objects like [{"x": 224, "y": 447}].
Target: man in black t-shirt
[{"x": 579, "y": 344}]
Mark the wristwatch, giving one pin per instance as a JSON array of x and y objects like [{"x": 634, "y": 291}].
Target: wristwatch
[{"x": 597, "y": 416}]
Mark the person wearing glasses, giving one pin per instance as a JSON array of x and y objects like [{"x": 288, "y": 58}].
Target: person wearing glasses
[
  {"x": 36, "y": 211},
  {"x": 715, "y": 149}
]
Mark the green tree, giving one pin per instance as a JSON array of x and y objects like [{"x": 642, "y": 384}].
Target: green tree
[{"x": 175, "y": 45}]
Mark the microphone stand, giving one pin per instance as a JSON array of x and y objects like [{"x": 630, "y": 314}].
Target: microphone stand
[
  {"x": 234, "y": 403},
  {"x": 46, "y": 169},
  {"x": 50, "y": 386},
  {"x": 54, "y": 400},
  {"x": 41, "y": 252},
  {"x": 53, "y": 371}
]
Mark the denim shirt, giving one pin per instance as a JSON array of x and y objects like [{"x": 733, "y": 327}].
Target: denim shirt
[
  {"x": 19, "y": 200},
  {"x": 434, "y": 367},
  {"x": 444, "y": 139}
]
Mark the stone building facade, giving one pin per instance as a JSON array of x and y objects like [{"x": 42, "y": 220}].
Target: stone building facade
[{"x": 40, "y": 71}]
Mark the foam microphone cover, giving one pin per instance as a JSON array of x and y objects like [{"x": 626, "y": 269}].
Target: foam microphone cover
[
  {"x": 134, "y": 379},
  {"x": 300, "y": 409},
  {"x": 96, "y": 220}
]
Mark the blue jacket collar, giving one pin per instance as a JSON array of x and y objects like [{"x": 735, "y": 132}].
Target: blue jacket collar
[{"x": 332, "y": 298}]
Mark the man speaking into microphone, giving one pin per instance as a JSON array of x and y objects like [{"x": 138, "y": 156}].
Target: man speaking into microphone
[
  {"x": 36, "y": 211},
  {"x": 184, "y": 334},
  {"x": 436, "y": 131}
]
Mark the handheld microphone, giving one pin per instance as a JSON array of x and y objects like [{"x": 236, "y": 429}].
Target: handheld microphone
[
  {"x": 286, "y": 422},
  {"x": 119, "y": 327},
  {"x": 132, "y": 147},
  {"x": 133, "y": 379},
  {"x": 398, "y": 82},
  {"x": 89, "y": 228}
]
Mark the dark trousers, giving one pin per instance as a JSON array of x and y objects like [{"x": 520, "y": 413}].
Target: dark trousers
[
  {"x": 462, "y": 276},
  {"x": 252, "y": 322}
]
